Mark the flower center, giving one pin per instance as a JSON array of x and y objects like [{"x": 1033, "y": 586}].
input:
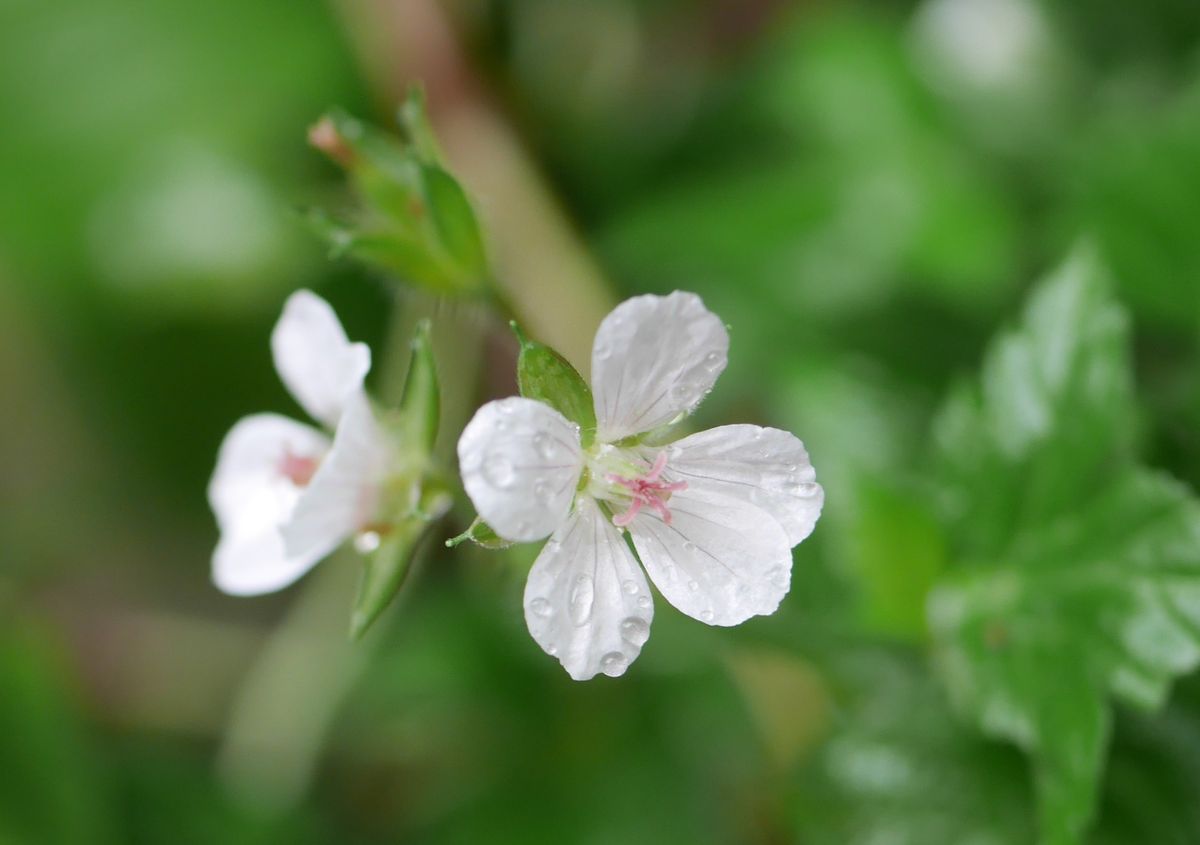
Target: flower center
[
  {"x": 647, "y": 491},
  {"x": 298, "y": 469}
]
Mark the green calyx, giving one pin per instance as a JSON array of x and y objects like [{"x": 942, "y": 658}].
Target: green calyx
[{"x": 415, "y": 495}]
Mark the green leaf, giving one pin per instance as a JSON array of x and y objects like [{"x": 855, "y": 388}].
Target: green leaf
[
  {"x": 1079, "y": 574},
  {"x": 546, "y": 376}
]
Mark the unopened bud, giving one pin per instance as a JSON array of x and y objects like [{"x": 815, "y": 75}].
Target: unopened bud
[{"x": 324, "y": 136}]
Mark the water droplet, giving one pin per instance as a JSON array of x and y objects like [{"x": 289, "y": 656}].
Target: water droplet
[
  {"x": 643, "y": 601},
  {"x": 553, "y": 545},
  {"x": 583, "y": 593},
  {"x": 683, "y": 393},
  {"x": 712, "y": 361},
  {"x": 543, "y": 491},
  {"x": 613, "y": 663},
  {"x": 523, "y": 527},
  {"x": 635, "y": 630},
  {"x": 808, "y": 488},
  {"x": 689, "y": 547},
  {"x": 541, "y": 607},
  {"x": 366, "y": 542},
  {"x": 792, "y": 468},
  {"x": 630, "y": 587},
  {"x": 706, "y": 615},
  {"x": 602, "y": 352},
  {"x": 498, "y": 470},
  {"x": 545, "y": 445},
  {"x": 552, "y": 650},
  {"x": 693, "y": 585}
]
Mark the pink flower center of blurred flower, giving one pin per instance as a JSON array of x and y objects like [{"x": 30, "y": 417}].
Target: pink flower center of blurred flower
[
  {"x": 297, "y": 469},
  {"x": 647, "y": 491}
]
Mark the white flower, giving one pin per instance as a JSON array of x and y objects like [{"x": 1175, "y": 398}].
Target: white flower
[
  {"x": 713, "y": 516},
  {"x": 283, "y": 494}
]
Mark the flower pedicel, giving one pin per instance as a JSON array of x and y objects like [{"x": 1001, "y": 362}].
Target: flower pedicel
[{"x": 713, "y": 516}]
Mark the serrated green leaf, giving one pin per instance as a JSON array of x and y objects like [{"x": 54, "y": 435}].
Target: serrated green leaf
[
  {"x": 1082, "y": 571},
  {"x": 546, "y": 376}
]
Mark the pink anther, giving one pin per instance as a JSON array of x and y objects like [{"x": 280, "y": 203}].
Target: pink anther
[
  {"x": 647, "y": 490},
  {"x": 297, "y": 469}
]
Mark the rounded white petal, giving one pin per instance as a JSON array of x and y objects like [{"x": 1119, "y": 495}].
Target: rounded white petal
[
  {"x": 249, "y": 489},
  {"x": 251, "y": 563},
  {"x": 520, "y": 462},
  {"x": 719, "y": 561},
  {"x": 767, "y": 467},
  {"x": 654, "y": 358},
  {"x": 315, "y": 359},
  {"x": 343, "y": 495},
  {"x": 586, "y": 601}
]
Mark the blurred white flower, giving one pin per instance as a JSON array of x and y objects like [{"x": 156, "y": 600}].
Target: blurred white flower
[
  {"x": 713, "y": 516},
  {"x": 284, "y": 495}
]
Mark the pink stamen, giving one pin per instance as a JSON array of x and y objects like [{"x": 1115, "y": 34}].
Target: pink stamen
[
  {"x": 297, "y": 468},
  {"x": 647, "y": 491}
]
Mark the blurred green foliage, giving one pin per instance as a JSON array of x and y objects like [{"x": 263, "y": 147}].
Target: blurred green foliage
[{"x": 865, "y": 192}]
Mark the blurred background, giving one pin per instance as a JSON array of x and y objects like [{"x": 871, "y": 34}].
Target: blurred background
[{"x": 863, "y": 191}]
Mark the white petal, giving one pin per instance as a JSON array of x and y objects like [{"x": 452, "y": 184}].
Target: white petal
[
  {"x": 586, "y": 601},
  {"x": 718, "y": 561},
  {"x": 343, "y": 495},
  {"x": 655, "y": 357},
  {"x": 520, "y": 462},
  {"x": 249, "y": 489},
  {"x": 315, "y": 359},
  {"x": 252, "y": 563},
  {"x": 764, "y": 466}
]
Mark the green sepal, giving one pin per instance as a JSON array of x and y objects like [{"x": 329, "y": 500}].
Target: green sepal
[
  {"x": 481, "y": 534},
  {"x": 420, "y": 402},
  {"x": 546, "y": 376},
  {"x": 387, "y": 567},
  {"x": 413, "y": 120},
  {"x": 384, "y": 572}
]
